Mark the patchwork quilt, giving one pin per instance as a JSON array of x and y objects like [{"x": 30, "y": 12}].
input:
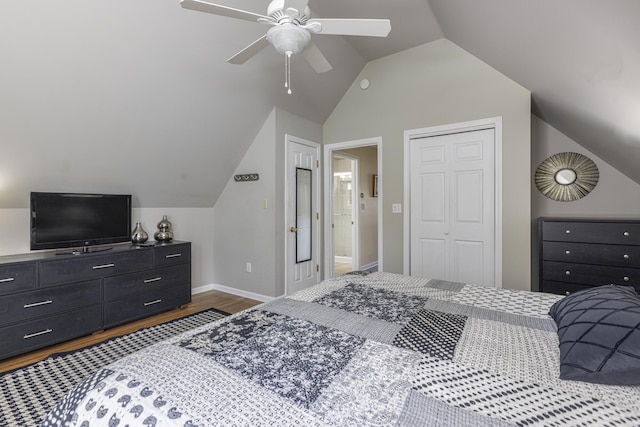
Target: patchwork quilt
[{"x": 357, "y": 350}]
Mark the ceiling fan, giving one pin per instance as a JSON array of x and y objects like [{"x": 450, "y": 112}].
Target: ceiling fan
[{"x": 290, "y": 32}]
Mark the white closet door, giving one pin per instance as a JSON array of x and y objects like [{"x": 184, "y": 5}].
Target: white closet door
[{"x": 452, "y": 207}]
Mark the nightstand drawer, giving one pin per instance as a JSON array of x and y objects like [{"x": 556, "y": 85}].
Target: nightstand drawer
[
  {"x": 616, "y": 233},
  {"x": 120, "y": 286},
  {"x": 17, "y": 277},
  {"x": 588, "y": 274},
  {"x": 614, "y": 255},
  {"x": 29, "y": 305},
  {"x": 83, "y": 267},
  {"x": 171, "y": 253},
  {"x": 143, "y": 305},
  {"x": 45, "y": 331}
]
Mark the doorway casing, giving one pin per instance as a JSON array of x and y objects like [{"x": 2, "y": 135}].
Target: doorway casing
[{"x": 329, "y": 150}]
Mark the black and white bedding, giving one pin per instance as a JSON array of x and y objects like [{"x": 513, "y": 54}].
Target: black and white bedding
[{"x": 358, "y": 350}]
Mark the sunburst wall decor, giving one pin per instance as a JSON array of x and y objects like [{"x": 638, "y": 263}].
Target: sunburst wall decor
[{"x": 566, "y": 176}]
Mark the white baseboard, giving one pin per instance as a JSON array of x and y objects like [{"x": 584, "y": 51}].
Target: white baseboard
[
  {"x": 233, "y": 291},
  {"x": 346, "y": 259},
  {"x": 201, "y": 289},
  {"x": 369, "y": 266}
]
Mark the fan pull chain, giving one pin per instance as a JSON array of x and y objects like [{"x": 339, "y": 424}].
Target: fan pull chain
[{"x": 287, "y": 71}]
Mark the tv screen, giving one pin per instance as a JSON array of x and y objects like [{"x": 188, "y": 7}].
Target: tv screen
[{"x": 66, "y": 220}]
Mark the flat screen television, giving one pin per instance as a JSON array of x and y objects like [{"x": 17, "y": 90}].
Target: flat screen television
[{"x": 73, "y": 220}]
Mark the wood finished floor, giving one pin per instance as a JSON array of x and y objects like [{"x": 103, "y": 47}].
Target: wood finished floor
[{"x": 199, "y": 302}]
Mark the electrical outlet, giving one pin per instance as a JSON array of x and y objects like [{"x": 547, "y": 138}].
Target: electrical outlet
[
  {"x": 248, "y": 267},
  {"x": 396, "y": 208}
]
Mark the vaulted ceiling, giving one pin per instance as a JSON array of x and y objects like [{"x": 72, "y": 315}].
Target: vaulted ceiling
[{"x": 137, "y": 96}]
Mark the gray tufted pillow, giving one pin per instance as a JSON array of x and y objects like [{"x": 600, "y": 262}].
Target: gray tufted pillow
[{"x": 599, "y": 332}]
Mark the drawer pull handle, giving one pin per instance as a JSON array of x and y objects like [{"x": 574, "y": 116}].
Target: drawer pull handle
[
  {"x": 35, "y": 334},
  {"x": 98, "y": 267},
  {"x": 8, "y": 279},
  {"x": 155, "y": 279},
  {"x": 625, "y": 256},
  {"x": 152, "y": 302},
  {"x": 625, "y": 234},
  {"x": 172, "y": 255},
  {"x": 36, "y": 304},
  {"x": 567, "y": 252},
  {"x": 567, "y": 273},
  {"x": 625, "y": 278},
  {"x": 567, "y": 231}
]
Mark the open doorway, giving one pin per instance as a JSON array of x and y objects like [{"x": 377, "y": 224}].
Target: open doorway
[
  {"x": 345, "y": 214},
  {"x": 353, "y": 200}
]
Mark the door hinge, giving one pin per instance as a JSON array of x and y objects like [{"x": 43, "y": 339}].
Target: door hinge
[
  {"x": 317, "y": 163},
  {"x": 317, "y": 267},
  {"x": 317, "y": 216}
]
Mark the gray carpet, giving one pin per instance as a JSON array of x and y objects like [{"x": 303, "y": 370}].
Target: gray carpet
[{"x": 27, "y": 394}]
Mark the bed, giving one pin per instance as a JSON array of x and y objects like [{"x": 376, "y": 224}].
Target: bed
[{"x": 357, "y": 350}]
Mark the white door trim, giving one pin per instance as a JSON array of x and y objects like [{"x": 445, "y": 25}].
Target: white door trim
[
  {"x": 489, "y": 123},
  {"x": 328, "y": 199},
  {"x": 355, "y": 211},
  {"x": 287, "y": 221}
]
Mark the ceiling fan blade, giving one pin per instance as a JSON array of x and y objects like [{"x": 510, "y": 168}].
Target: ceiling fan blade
[
  {"x": 248, "y": 52},
  {"x": 316, "y": 59},
  {"x": 351, "y": 27},
  {"x": 216, "y": 9}
]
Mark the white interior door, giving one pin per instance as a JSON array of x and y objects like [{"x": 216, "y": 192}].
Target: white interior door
[
  {"x": 302, "y": 214},
  {"x": 452, "y": 207}
]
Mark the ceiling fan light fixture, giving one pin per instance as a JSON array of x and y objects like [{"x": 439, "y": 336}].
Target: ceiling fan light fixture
[{"x": 288, "y": 39}]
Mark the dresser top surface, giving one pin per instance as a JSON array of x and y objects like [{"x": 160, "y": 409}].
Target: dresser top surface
[{"x": 68, "y": 253}]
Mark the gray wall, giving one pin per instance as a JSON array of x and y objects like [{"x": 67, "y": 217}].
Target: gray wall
[
  {"x": 244, "y": 230},
  {"x": 434, "y": 84},
  {"x": 615, "y": 195}
]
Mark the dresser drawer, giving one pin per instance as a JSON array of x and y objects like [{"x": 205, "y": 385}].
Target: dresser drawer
[
  {"x": 17, "y": 277},
  {"x": 613, "y": 255},
  {"x": 28, "y": 305},
  {"x": 144, "y": 281},
  {"x": 45, "y": 331},
  {"x": 83, "y": 267},
  {"x": 561, "y": 288},
  {"x": 616, "y": 233},
  {"x": 143, "y": 305},
  {"x": 589, "y": 274},
  {"x": 171, "y": 253}
]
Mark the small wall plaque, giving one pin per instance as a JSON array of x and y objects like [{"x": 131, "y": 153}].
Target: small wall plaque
[{"x": 246, "y": 177}]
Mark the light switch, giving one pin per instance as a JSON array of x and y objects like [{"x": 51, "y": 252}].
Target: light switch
[{"x": 396, "y": 208}]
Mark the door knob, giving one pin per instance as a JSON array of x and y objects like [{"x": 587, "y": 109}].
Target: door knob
[{"x": 293, "y": 230}]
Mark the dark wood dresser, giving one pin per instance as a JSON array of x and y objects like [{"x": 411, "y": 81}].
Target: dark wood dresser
[
  {"x": 577, "y": 254},
  {"x": 47, "y": 298}
]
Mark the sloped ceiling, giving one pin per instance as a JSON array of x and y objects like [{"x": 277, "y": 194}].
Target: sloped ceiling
[
  {"x": 136, "y": 96},
  {"x": 579, "y": 58}
]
